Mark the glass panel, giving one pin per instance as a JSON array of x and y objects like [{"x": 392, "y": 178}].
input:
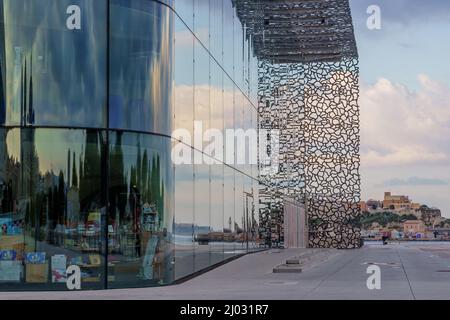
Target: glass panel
[
  {"x": 202, "y": 116},
  {"x": 140, "y": 223},
  {"x": 228, "y": 37},
  {"x": 216, "y": 30},
  {"x": 54, "y": 70},
  {"x": 141, "y": 66},
  {"x": 256, "y": 242},
  {"x": 229, "y": 207},
  {"x": 202, "y": 21},
  {"x": 248, "y": 212},
  {"x": 239, "y": 52},
  {"x": 184, "y": 77},
  {"x": 217, "y": 191},
  {"x": 217, "y": 211},
  {"x": 52, "y": 207},
  {"x": 184, "y": 220},
  {"x": 239, "y": 218},
  {"x": 228, "y": 114},
  {"x": 202, "y": 97},
  {"x": 184, "y": 173},
  {"x": 241, "y": 141},
  {"x": 185, "y": 9},
  {"x": 254, "y": 79},
  {"x": 201, "y": 215}
]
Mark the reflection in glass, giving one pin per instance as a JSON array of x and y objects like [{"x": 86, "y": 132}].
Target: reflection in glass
[
  {"x": 53, "y": 75},
  {"x": 52, "y": 207},
  {"x": 112, "y": 203},
  {"x": 229, "y": 233},
  {"x": 216, "y": 29},
  {"x": 140, "y": 224},
  {"x": 202, "y": 209},
  {"x": 216, "y": 236},
  {"x": 202, "y": 21},
  {"x": 239, "y": 218},
  {"x": 184, "y": 221},
  {"x": 141, "y": 66},
  {"x": 228, "y": 37}
]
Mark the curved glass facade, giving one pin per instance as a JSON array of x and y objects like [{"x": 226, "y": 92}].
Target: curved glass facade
[{"x": 90, "y": 93}]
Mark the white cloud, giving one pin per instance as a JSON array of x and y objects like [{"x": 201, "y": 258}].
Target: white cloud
[{"x": 400, "y": 126}]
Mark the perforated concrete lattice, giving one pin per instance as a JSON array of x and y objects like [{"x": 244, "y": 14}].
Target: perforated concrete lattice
[
  {"x": 315, "y": 108},
  {"x": 308, "y": 90}
]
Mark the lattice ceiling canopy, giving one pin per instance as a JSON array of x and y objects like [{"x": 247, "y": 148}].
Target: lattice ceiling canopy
[{"x": 299, "y": 31}]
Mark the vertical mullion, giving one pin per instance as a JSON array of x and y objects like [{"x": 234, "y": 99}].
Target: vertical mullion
[{"x": 107, "y": 156}]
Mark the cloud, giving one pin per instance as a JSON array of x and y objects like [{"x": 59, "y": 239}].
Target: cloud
[
  {"x": 414, "y": 181},
  {"x": 400, "y": 126},
  {"x": 207, "y": 99}
]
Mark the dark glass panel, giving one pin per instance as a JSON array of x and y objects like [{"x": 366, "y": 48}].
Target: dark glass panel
[
  {"x": 141, "y": 66},
  {"x": 53, "y": 62},
  {"x": 140, "y": 222},
  {"x": 52, "y": 207}
]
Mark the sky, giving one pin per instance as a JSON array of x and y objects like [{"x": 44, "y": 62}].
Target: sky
[{"x": 405, "y": 100}]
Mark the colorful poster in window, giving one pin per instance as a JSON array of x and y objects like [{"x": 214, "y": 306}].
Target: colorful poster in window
[
  {"x": 59, "y": 266},
  {"x": 10, "y": 271},
  {"x": 7, "y": 255},
  {"x": 35, "y": 257}
]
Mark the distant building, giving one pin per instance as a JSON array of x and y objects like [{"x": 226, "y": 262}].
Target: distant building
[
  {"x": 363, "y": 206},
  {"x": 373, "y": 204},
  {"x": 396, "y": 234},
  {"x": 398, "y": 202},
  {"x": 430, "y": 215},
  {"x": 413, "y": 227}
]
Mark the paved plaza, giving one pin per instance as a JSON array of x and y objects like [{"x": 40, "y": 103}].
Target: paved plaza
[{"x": 415, "y": 270}]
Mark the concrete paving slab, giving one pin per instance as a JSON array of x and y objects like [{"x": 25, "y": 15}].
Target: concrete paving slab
[{"x": 408, "y": 271}]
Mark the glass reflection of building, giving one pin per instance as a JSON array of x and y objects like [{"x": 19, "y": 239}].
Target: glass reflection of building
[{"x": 86, "y": 177}]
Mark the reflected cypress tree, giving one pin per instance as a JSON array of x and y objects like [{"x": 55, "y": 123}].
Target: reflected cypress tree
[
  {"x": 74, "y": 173},
  {"x": 144, "y": 177},
  {"x": 156, "y": 185},
  {"x": 89, "y": 189},
  {"x": 53, "y": 203},
  {"x": 80, "y": 170},
  {"x": 29, "y": 174},
  {"x": 133, "y": 175},
  {"x": 117, "y": 177},
  {"x": 139, "y": 167},
  {"x": 69, "y": 167},
  {"x": 61, "y": 198}
]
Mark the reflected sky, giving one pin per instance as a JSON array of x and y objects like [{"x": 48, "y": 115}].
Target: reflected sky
[
  {"x": 60, "y": 74},
  {"x": 141, "y": 66}
]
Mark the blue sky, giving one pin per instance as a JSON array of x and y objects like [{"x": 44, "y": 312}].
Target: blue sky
[
  {"x": 405, "y": 100},
  {"x": 414, "y": 38}
]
